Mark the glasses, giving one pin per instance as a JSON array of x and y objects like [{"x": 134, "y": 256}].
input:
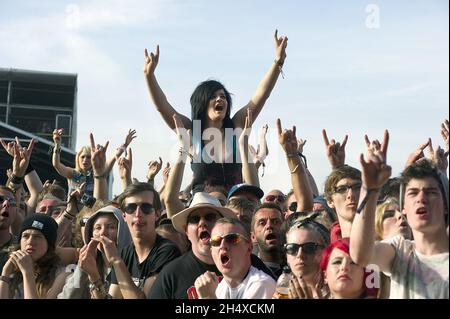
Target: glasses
[
  {"x": 83, "y": 221},
  {"x": 195, "y": 219},
  {"x": 11, "y": 201},
  {"x": 146, "y": 208},
  {"x": 293, "y": 207},
  {"x": 343, "y": 189},
  {"x": 307, "y": 248},
  {"x": 272, "y": 198},
  {"x": 232, "y": 239},
  {"x": 388, "y": 214}
]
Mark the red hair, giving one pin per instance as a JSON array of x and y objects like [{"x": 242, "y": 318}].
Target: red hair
[{"x": 344, "y": 245}]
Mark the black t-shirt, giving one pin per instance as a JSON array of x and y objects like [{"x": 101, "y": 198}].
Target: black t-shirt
[
  {"x": 163, "y": 252},
  {"x": 176, "y": 281},
  {"x": 4, "y": 251}
]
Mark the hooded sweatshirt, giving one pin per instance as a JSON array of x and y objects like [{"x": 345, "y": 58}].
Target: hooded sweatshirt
[{"x": 77, "y": 284}]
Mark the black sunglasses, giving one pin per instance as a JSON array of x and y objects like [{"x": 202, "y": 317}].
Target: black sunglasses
[
  {"x": 293, "y": 207},
  {"x": 195, "y": 219},
  {"x": 146, "y": 208},
  {"x": 343, "y": 189},
  {"x": 388, "y": 214},
  {"x": 11, "y": 201},
  {"x": 308, "y": 248},
  {"x": 232, "y": 239}
]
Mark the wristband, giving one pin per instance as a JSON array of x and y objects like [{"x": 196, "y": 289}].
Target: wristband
[
  {"x": 29, "y": 169},
  {"x": 366, "y": 198},
  {"x": 280, "y": 67},
  {"x": 304, "y": 159},
  {"x": 16, "y": 179}
]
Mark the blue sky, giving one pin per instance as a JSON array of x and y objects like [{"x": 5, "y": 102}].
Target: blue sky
[{"x": 340, "y": 74}]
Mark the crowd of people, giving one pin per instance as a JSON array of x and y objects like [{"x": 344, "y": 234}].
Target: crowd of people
[{"x": 365, "y": 235}]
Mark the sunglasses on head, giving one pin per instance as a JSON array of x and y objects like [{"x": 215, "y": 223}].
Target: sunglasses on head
[
  {"x": 11, "y": 201},
  {"x": 146, "y": 208},
  {"x": 195, "y": 219},
  {"x": 343, "y": 189},
  {"x": 232, "y": 239},
  {"x": 272, "y": 198},
  {"x": 83, "y": 221},
  {"x": 308, "y": 248}
]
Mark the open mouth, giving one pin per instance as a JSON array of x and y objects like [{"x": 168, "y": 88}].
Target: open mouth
[
  {"x": 271, "y": 237},
  {"x": 219, "y": 108},
  {"x": 204, "y": 237},
  {"x": 224, "y": 259},
  {"x": 5, "y": 214},
  {"x": 421, "y": 211},
  {"x": 404, "y": 224}
]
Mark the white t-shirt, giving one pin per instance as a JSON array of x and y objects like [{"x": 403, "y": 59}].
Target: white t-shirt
[
  {"x": 416, "y": 276},
  {"x": 256, "y": 285}
]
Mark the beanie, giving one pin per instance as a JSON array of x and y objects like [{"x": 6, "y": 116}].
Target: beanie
[{"x": 44, "y": 223}]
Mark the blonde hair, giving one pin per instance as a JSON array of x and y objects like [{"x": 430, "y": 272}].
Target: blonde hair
[
  {"x": 82, "y": 150},
  {"x": 381, "y": 208}
]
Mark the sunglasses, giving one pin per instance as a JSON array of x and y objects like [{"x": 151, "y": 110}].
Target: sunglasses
[
  {"x": 195, "y": 219},
  {"x": 11, "y": 201},
  {"x": 388, "y": 214},
  {"x": 146, "y": 208},
  {"x": 307, "y": 248},
  {"x": 83, "y": 221},
  {"x": 343, "y": 189},
  {"x": 272, "y": 198},
  {"x": 232, "y": 239},
  {"x": 293, "y": 207}
]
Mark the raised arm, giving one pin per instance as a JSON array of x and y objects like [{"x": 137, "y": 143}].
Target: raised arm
[
  {"x": 299, "y": 178},
  {"x": 335, "y": 151},
  {"x": 249, "y": 171},
  {"x": 62, "y": 170},
  {"x": 162, "y": 190},
  {"x": 125, "y": 166},
  {"x": 262, "y": 150},
  {"x": 31, "y": 177},
  {"x": 153, "y": 169},
  {"x": 266, "y": 85},
  {"x": 375, "y": 173},
  {"x": 98, "y": 160},
  {"x": 21, "y": 159},
  {"x": 312, "y": 183},
  {"x": 156, "y": 93},
  {"x": 173, "y": 203},
  {"x": 438, "y": 157},
  {"x": 120, "y": 150}
]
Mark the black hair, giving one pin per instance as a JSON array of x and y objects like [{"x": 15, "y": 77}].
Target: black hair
[
  {"x": 420, "y": 170},
  {"x": 200, "y": 99},
  {"x": 134, "y": 189}
]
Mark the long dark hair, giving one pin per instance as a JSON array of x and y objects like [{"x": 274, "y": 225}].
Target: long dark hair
[
  {"x": 200, "y": 99},
  {"x": 45, "y": 270}
]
